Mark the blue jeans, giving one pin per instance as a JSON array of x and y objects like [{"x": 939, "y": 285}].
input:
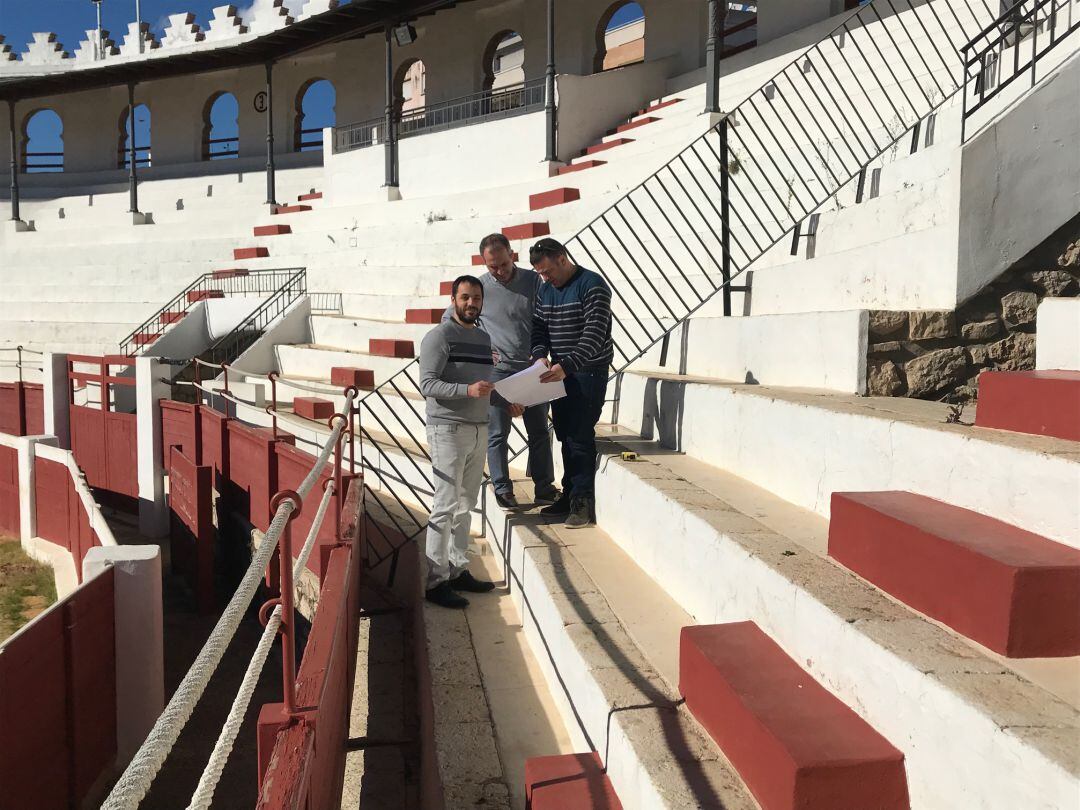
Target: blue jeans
[
  {"x": 575, "y": 417},
  {"x": 541, "y": 465}
]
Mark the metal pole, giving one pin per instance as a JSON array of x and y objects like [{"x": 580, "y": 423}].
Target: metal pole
[
  {"x": 14, "y": 162},
  {"x": 712, "y": 59},
  {"x": 549, "y": 88},
  {"x": 271, "y": 188},
  {"x": 133, "y": 177},
  {"x": 100, "y": 43},
  {"x": 138, "y": 24},
  {"x": 725, "y": 215},
  {"x": 389, "y": 135}
]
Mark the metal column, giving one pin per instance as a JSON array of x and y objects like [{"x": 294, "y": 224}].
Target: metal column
[
  {"x": 14, "y": 162},
  {"x": 133, "y": 155},
  {"x": 550, "y": 108},
  {"x": 271, "y": 187},
  {"x": 712, "y": 58},
  {"x": 725, "y": 215},
  {"x": 390, "y": 131}
]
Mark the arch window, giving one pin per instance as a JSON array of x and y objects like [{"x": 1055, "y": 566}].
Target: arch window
[
  {"x": 314, "y": 112},
  {"x": 142, "y": 138},
  {"x": 620, "y": 36},
  {"x": 221, "y": 128},
  {"x": 504, "y": 61},
  {"x": 43, "y": 142}
]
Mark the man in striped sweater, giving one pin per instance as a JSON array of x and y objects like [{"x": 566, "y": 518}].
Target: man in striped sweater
[{"x": 572, "y": 335}]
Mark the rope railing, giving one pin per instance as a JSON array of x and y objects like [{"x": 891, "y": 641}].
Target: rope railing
[{"x": 135, "y": 782}]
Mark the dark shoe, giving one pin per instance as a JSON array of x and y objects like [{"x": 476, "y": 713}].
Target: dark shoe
[
  {"x": 507, "y": 502},
  {"x": 580, "y": 514},
  {"x": 560, "y": 508},
  {"x": 443, "y": 595},
  {"x": 548, "y": 497},
  {"x": 467, "y": 582}
]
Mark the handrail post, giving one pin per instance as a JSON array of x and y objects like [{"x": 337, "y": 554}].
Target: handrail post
[
  {"x": 14, "y": 161},
  {"x": 273, "y": 378},
  {"x": 271, "y": 182},
  {"x": 550, "y": 108},
  {"x": 725, "y": 219},
  {"x": 389, "y": 136},
  {"x": 288, "y": 636},
  {"x": 712, "y": 60},
  {"x": 133, "y": 158}
]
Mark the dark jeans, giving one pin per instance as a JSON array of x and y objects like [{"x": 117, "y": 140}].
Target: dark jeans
[
  {"x": 575, "y": 417},
  {"x": 541, "y": 466}
]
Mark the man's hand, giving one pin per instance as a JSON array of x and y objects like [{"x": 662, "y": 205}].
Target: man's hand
[
  {"x": 481, "y": 389},
  {"x": 496, "y": 358},
  {"x": 517, "y": 411},
  {"x": 553, "y": 374},
  {"x": 545, "y": 361}
]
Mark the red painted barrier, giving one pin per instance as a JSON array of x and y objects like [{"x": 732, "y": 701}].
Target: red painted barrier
[
  {"x": 22, "y": 409},
  {"x": 64, "y": 664},
  {"x": 61, "y": 516},
  {"x": 302, "y": 763},
  {"x": 191, "y": 502},
  {"x": 103, "y": 441},
  {"x": 9, "y": 491}
]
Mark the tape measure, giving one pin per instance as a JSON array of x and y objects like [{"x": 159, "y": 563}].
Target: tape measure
[{"x": 628, "y": 455}]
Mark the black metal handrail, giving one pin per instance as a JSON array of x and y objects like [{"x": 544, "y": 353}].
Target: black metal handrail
[
  {"x": 684, "y": 234},
  {"x": 475, "y": 108},
  {"x": 229, "y": 348},
  {"x": 985, "y": 56},
  {"x": 240, "y": 282}
]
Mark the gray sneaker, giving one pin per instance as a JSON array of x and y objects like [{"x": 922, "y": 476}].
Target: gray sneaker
[{"x": 580, "y": 513}]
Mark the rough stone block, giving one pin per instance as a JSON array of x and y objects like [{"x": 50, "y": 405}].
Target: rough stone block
[
  {"x": 981, "y": 331},
  {"x": 1044, "y": 403},
  {"x": 1053, "y": 283},
  {"x": 568, "y": 782},
  {"x": 884, "y": 323},
  {"x": 924, "y": 325},
  {"x": 314, "y": 408},
  {"x": 883, "y": 379},
  {"x": 793, "y": 743},
  {"x": 934, "y": 371},
  {"x": 346, "y": 376},
  {"x": 1018, "y": 308},
  {"x": 1009, "y": 589}
]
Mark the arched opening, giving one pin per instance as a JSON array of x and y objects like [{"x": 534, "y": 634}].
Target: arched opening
[
  {"x": 221, "y": 128},
  {"x": 504, "y": 61},
  {"x": 142, "y": 138},
  {"x": 411, "y": 82},
  {"x": 315, "y": 111},
  {"x": 43, "y": 142},
  {"x": 620, "y": 36}
]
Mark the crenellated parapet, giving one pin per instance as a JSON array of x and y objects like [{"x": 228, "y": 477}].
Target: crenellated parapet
[
  {"x": 135, "y": 32},
  {"x": 226, "y": 24},
  {"x": 90, "y": 50},
  {"x": 45, "y": 50},
  {"x": 182, "y": 31},
  {"x": 314, "y": 7},
  {"x": 6, "y": 54},
  {"x": 269, "y": 15}
]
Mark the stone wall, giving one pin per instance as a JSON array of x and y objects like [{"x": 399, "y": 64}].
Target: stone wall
[{"x": 939, "y": 354}]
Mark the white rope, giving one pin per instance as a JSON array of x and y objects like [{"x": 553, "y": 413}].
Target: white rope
[
  {"x": 136, "y": 779},
  {"x": 204, "y": 793}
]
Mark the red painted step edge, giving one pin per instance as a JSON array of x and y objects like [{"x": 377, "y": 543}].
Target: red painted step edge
[
  {"x": 345, "y": 376},
  {"x": 659, "y": 106},
  {"x": 314, "y": 408},
  {"x": 478, "y": 260},
  {"x": 171, "y": 317},
  {"x": 382, "y": 347},
  {"x": 272, "y": 230},
  {"x": 446, "y": 288},
  {"x": 234, "y": 272},
  {"x": 580, "y": 167},
  {"x": 1044, "y": 403},
  {"x": 203, "y": 295},
  {"x": 424, "y": 316},
  {"x": 530, "y": 230},
  {"x": 793, "y": 743},
  {"x": 290, "y": 209},
  {"x": 143, "y": 338},
  {"x": 569, "y": 782},
  {"x": 600, "y": 147},
  {"x": 640, "y": 122},
  {"x": 557, "y": 196},
  {"x": 250, "y": 253},
  {"x": 1009, "y": 589},
  {"x": 314, "y": 195}
]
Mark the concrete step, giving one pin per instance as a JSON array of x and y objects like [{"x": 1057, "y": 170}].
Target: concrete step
[
  {"x": 314, "y": 361},
  {"x": 549, "y": 199},
  {"x": 794, "y": 744},
  {"x": 1008, "y": 589},
  {"x": 1042, "y": 403},
  {"x": 354, "y": 333},
  {"x": 936, "y": 697},
  {"x": 569, "y": 782},
  {"x": 582, "y": 166}
]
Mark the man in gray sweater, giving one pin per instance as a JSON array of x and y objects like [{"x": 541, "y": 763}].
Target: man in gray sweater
[
  {"x": 455, "y": 377},
  {"x": 509, "y": 304}
]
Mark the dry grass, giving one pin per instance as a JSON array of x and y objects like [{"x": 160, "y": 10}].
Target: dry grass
[{"x": 26, "y": 587}]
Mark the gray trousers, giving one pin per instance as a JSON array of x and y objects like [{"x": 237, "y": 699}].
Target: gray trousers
[
  {"x": 541, "y": 466},
  {"x": 457, "y": 465}
]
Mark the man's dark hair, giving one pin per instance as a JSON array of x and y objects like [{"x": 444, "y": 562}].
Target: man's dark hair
[
  {"x": 467, "y": 280},
  {"x": 492, "y": 240},
  {"x": 546, "y": 249}
]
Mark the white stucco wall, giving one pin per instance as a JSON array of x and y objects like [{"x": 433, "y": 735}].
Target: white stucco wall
[{"x": 1057, "y": 334}]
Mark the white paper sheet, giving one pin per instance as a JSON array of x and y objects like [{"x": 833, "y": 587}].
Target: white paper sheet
[{"x": 525, "y": 388}]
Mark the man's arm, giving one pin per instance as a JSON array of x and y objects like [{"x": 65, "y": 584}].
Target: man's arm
[
  {"x": 434, "y": 354},
  {"x": 541, "y": 339},
  {"x": 597, "y": 309}
]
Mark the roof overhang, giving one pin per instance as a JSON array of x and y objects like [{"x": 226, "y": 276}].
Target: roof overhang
[{"x": 352, "y": 21}]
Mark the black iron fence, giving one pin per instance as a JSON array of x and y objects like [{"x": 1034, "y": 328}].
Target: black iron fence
[
  {"x": 687, "y": 232},
  {"x": 208, "y": 285},
  {"x": 1012, "y": 47},
  {"x": 476, "y": 108}
]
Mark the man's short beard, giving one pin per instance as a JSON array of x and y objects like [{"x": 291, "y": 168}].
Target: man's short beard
[{"x": 463, "y": 317}]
